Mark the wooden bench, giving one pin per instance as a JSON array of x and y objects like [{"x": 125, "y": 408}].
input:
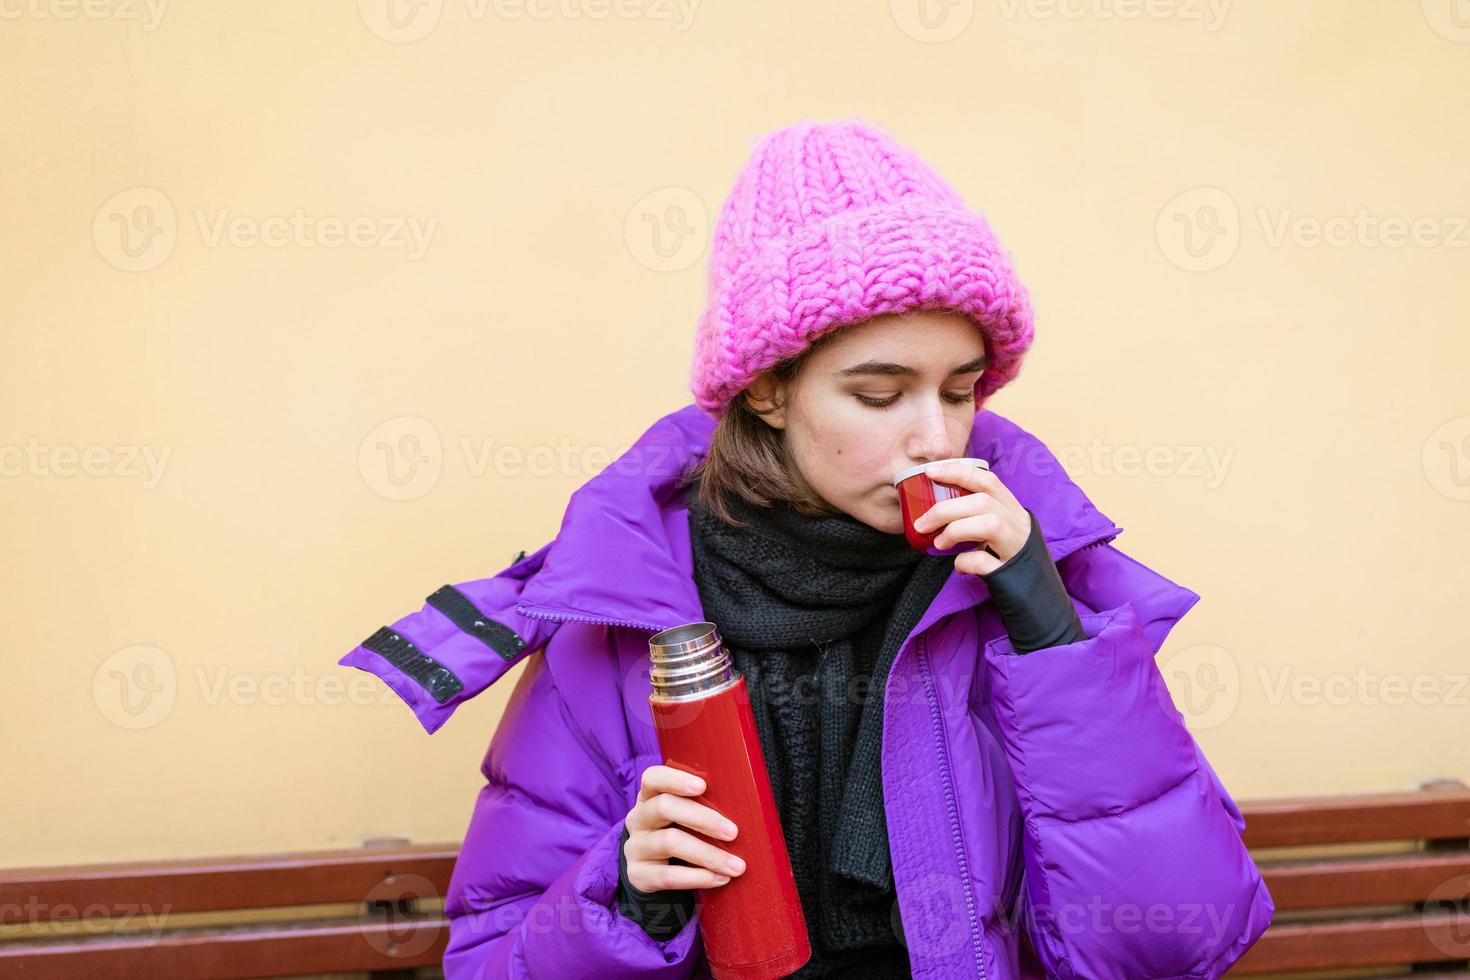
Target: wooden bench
[
  {"x": 379, "y": 909},
  {"x": 375, "y": 910},
  {"x": 1399, "y": 903}
]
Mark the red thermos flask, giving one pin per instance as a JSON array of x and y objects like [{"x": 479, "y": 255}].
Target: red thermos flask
[{"x": 753, "y": 926}]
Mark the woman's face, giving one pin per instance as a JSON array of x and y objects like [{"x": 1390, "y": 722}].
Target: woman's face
[{"x": 890, "y": 392}]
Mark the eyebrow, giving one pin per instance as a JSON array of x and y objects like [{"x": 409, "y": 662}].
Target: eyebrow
[{"x": 884, "y": 368}]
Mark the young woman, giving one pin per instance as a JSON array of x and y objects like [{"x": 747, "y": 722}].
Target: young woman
[{"x": 978, "y": 767}]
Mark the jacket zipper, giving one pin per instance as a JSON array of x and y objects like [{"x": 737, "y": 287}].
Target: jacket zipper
[
  {"x": 936, "y": 715},
  {"x": 561, "y": 616},
  {"x": 1091, "y": 544}
]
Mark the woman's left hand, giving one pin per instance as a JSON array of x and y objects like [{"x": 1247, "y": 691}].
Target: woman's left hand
[{"x": 990, "y": 516}]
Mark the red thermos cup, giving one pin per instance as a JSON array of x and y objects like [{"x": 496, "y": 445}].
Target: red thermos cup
[{"x": 753, "y": 926}]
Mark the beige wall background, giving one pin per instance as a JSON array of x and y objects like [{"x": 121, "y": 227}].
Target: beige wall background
[{"x": 311, "y": 308}]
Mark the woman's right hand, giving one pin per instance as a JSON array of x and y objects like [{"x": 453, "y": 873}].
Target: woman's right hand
[{"x": 656, "y": 832}]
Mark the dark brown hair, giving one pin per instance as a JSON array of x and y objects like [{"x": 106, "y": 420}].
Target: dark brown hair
[{"x": 747, "y": 456}]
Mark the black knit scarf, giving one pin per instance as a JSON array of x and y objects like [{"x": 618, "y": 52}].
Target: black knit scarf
[{"x": 813, "y": 611}]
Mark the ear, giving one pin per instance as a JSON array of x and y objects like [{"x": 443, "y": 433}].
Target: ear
[{"x": 766, "y": 397}]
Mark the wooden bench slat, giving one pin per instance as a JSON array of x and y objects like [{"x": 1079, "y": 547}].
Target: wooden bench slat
[
  {"x": 1358, "y": 943},
  {"x": 1425, "y": 815},
  {"x": 340, "y": 947},
  {"x": 1349, "y": 882},
  {"x": 223, "y": 884},
  {"x": 405, "y": 871}
]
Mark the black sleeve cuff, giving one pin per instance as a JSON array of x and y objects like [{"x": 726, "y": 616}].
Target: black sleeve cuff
[
  {"x": 661, "y": 914},
  {"x": 1032, "y": 601}
]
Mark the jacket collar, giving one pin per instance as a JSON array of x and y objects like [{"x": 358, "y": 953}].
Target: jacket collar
[{"x": 622, "y": 555}]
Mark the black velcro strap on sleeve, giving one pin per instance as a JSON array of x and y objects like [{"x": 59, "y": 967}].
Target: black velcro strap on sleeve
[
  {"x": 431, "y": 675},
  {"x": 464, "y": 614}
]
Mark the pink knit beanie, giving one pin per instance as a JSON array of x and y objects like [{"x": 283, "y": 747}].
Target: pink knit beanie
[{"x": 834, "y": 222}]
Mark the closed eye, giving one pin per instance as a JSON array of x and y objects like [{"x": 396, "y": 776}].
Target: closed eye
[{"x": 954, "y": 398}]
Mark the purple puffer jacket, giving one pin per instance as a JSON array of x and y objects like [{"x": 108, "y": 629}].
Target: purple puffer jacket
[{"x": 1045, "y": 807}]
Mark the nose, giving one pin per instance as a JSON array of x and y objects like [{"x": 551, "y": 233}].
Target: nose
[{"x": 929, "y": 439}]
